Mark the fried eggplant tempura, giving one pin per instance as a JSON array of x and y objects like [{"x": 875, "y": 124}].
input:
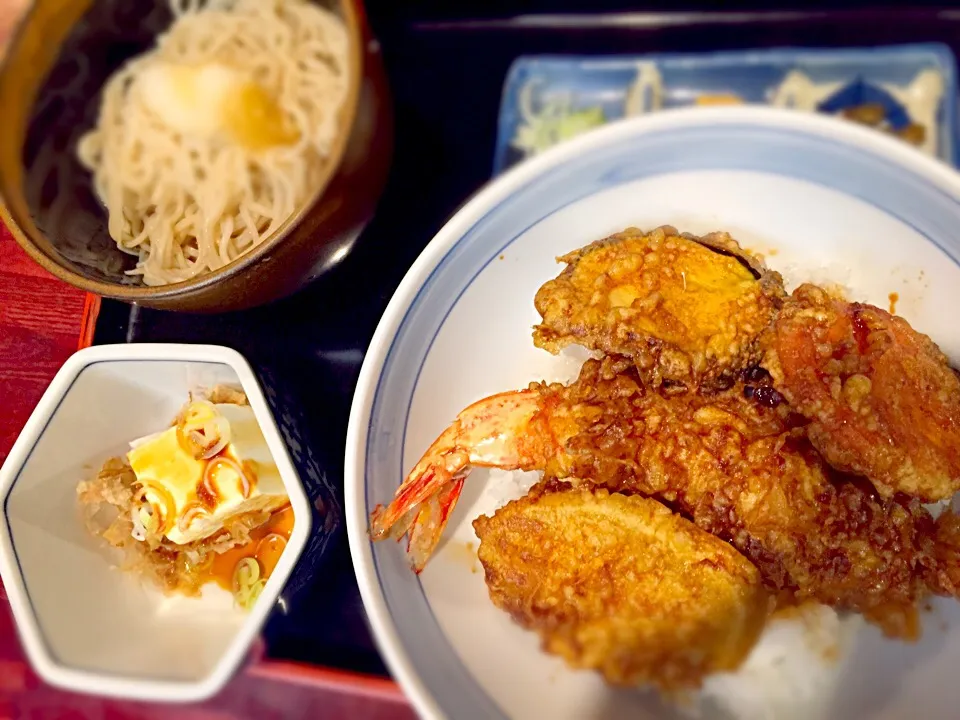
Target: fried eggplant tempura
[
  {"x": 622, "y": 585},
  {"x": 688, "y": 310},
  {"x": 882, "y": 399},
  {"x": 741, "y": 470}
]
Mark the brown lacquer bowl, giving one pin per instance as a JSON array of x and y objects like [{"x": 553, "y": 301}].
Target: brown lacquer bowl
[{"x": 55, "y": 66}]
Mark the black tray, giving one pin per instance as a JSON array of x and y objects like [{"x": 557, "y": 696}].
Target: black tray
[{"x": 446, "y": 72}]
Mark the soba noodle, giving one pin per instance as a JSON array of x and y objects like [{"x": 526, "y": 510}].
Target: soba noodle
[{"x": 191, "y": 196}]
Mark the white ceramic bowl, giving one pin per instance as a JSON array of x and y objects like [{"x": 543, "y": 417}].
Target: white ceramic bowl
[
  {"x": 823, "y": 199},
  {"x": 86, "y": 626}
]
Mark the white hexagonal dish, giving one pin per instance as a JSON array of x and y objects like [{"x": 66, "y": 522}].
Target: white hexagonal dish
[{"x": 85, "y": 625}]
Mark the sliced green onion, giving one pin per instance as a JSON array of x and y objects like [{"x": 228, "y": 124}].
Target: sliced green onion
[
  {"x": 148, "y": 518},
  {"x": 245, "y": 599},
  {"x": 554, "y": 122},
  {"x": 579, "y": 121},
  {"x": 245, "y": 574}
]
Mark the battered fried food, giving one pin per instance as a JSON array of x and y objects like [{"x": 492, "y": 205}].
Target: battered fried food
[
  {"x": 621, "y": 585},
  {"x": 740, "y": 468},
  {"x": 948, "y": 551},
  {"x": 688, "y": 310},
  {"x": 881, "y": 398},
  {"x": 747, "y": 474}
]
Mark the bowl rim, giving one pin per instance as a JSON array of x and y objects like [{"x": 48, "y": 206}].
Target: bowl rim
[
  {"x": 44, "y": 662},
  {"x": 381, "y": 620},
  {"x": 354, "y": 17}
]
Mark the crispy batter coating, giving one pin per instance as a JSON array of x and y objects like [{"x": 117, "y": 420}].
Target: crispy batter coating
[
  {"x": 881, "y": 398},
  {"x": 622, "y": 585},
  {"x": 746, "y": 473},
  {"x": 948, "y": 551},
  {"x": 689, "y": 311}
]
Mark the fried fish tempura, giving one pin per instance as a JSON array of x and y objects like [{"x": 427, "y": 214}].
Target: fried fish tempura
[
  {"x": 623, "y": 586},
  {"x": 740, "y": 470},
  {"x": 689, "y": 311},
  {"x": 881, "y": 398}
]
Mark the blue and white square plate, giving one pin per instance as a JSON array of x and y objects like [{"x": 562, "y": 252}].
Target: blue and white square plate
[
  {"x": 908, "y": 90},
  {"x": 825, "y": 200}
]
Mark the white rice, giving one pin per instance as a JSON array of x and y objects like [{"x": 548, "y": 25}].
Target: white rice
[
  {"x": 834, "y": 277},
  {"x": 792, "y": 673}
]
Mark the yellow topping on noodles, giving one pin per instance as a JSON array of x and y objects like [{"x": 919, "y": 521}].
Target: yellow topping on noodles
[
  {"x": 254, "y": 119},
  {"x": 214, "y": 99}
]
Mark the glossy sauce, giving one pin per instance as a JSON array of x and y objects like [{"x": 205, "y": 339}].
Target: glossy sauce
[
  {"x": 893, "y": 297},
  {"x": 210, "y": 495},
  {"x": 265, "y": 550},
  {"x": 861, "y": 331}
]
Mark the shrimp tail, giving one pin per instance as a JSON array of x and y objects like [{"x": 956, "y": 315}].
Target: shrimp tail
[
  {"x": 439, "y": 466},
  {"x": 430, "y": 521},
  {"x": 497, "y": 431}
]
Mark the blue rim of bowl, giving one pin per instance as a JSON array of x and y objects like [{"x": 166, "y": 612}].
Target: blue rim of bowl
[{"x": 697, "y": 146}]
